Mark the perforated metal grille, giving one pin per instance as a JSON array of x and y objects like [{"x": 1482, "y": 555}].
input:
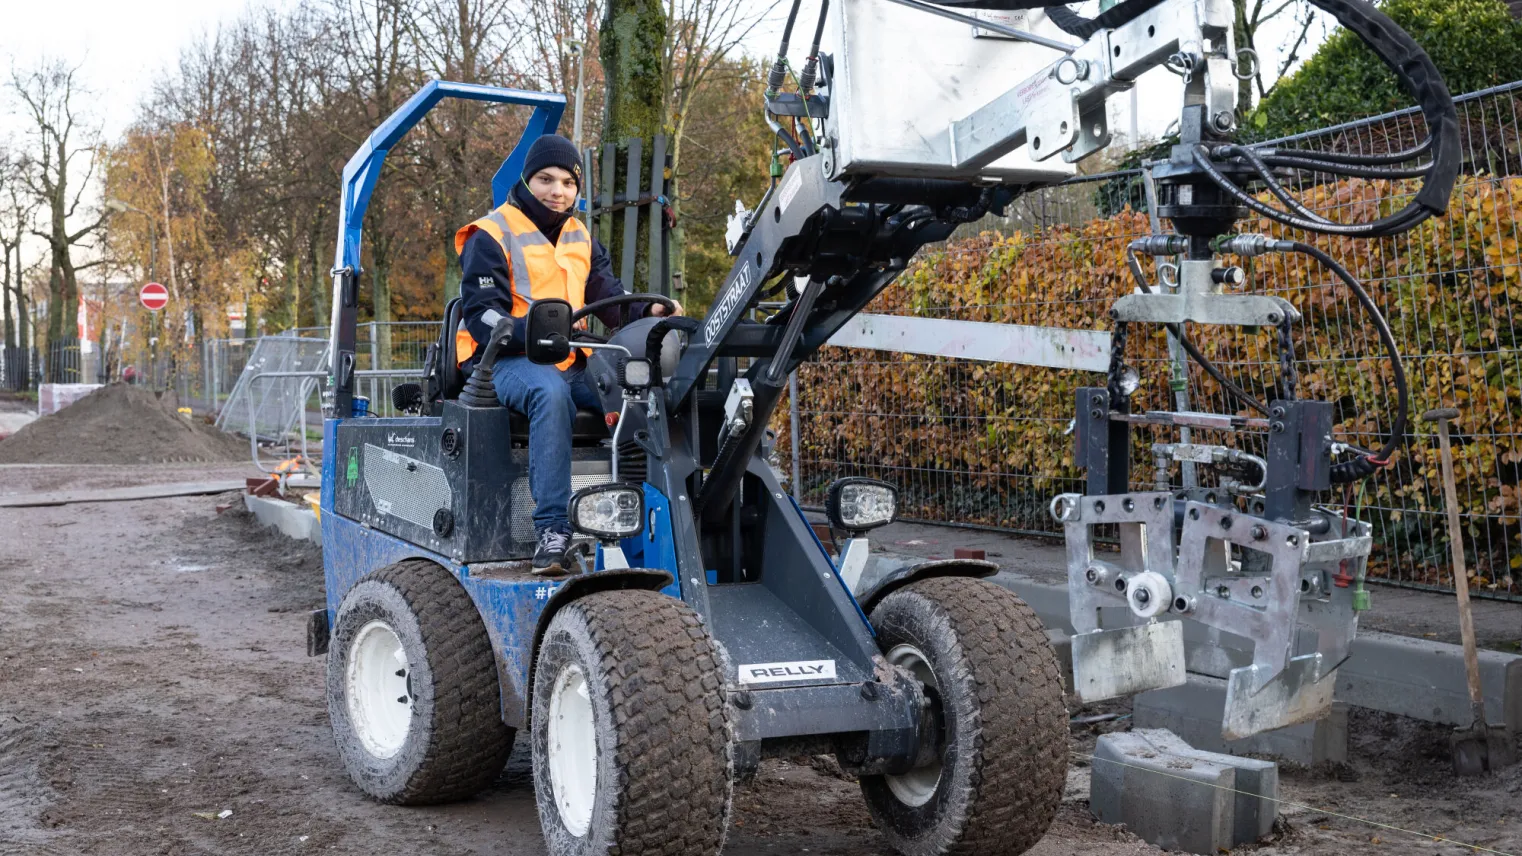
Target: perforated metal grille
[
  {"x": 523, "y": 500},
  {"x": 404, "y": 487}
]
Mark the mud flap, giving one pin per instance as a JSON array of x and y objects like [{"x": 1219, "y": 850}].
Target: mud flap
[
  {"x": 318, "y": 633},
  {"x": 1112, "y": 663},
  {"x": 1299, "y": 693}
]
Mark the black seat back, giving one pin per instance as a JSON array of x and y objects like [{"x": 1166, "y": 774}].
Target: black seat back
[{"x": 444, "y": 375}]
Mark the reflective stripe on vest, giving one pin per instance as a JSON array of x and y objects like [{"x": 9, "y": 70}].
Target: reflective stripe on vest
[{"x": 538, "y": 269}]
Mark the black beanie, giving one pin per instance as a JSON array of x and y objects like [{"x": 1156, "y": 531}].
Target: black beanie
[{"x": 552, "y": 150}]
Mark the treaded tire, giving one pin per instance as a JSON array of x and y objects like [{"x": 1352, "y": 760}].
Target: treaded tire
[
  {"x": 662, "y": 756},
  {"x": 1006, "y": 754},
  {"x": 456, "y": 743}
]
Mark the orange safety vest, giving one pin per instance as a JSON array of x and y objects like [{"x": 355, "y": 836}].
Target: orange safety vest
[{"x": 538, "y": 269}]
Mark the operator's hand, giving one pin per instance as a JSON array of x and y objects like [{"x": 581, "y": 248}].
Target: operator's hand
[{"x": 659, "y": 309}]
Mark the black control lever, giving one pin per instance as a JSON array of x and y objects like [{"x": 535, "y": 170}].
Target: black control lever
[{"x": 478, "y": 391}]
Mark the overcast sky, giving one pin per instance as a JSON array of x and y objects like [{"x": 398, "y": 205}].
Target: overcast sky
[{"x": 122, "y": 47}]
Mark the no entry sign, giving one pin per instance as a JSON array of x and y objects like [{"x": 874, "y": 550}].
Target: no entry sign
[{"x": 154, "y": 296}]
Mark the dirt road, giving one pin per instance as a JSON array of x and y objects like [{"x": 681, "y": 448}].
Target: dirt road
[{"x": 154, "y": 676}]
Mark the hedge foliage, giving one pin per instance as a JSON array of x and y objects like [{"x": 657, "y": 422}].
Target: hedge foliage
[
  {"x": 1475, "y": 44},
  {"x": 984, "y": 443}
]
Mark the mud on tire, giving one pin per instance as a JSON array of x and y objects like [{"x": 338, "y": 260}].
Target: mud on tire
[
  {"x": 1006, "y": 733},
  {"x": 455, "y": 743},
  {"x": 655, "y": 702}
]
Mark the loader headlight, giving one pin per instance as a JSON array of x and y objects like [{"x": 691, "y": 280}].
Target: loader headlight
[
  {"x": 608, "y": 511},
  {"x": 858, "y": 504}
]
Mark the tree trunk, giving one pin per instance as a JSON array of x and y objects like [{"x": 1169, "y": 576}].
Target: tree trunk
[
  {"x": 631, "y": 46},
  {"x": 1244, "y": 39},
  {"x": 5, "y": 298}
]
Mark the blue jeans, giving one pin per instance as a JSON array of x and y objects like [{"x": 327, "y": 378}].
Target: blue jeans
[{"x": 549, "y": 398}]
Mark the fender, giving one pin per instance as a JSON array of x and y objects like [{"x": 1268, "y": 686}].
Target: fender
[
  {"x": 923, "y": 571},
  {"x": 577, "y": 587}
]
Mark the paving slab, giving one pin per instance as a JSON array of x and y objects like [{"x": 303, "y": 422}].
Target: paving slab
[{"x": 119, "y": 494}]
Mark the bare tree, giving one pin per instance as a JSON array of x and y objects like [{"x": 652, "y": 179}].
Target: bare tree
[
  {"x": 1252, "y": 15},
  {"x": 700, "y": 35},
  {"x": 62, "y": 146},
  {"x": 17, "y": 209}
]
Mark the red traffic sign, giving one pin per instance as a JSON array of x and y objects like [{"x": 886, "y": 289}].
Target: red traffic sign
[{"x": 154, "y": 296}]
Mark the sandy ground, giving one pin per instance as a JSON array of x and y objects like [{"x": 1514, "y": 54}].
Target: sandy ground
[{"x": 153, "y": 674}]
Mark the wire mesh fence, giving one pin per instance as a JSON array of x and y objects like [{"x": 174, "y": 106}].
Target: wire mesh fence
[{"x": 985, "y": 445}]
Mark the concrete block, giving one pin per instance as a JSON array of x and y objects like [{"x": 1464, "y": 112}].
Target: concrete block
[
  {"x": 53, "y": 397},
  {"x": 1424, "y": 679},
  {"x": 1255, "y": 804},
  {"x": 1194, "y": 710},
  {"x": 292, "y": 520},
  {"x": 1168, "y": 800},
  {"x": 1062, "y": 646},
  {"x": 1176, "y": 797}
]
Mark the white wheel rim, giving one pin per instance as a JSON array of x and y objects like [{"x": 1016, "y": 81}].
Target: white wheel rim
[
  {"x": 916, "y": 787},
  {"x": 573, "y": 750},
  {"x": 376, "y": 684}
]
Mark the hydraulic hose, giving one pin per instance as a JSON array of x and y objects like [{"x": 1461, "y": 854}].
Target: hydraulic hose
[
  {"x": 1365, "y": 465},
  {"x": 1416, "y": 72},
  {"x": 778, "y": 74}
]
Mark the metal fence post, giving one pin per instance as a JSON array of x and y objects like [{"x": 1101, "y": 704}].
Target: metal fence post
[{"x": 792, "y": 431}]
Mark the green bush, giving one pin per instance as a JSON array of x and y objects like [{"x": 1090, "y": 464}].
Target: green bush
[{"x": 1474, "y": 43}]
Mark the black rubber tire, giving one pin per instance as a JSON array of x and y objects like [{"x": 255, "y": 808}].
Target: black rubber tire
[
  {"x": 1006, "y": 722},
  {"x": 456, "y": 743},
  {"x": 664, "y": 769}
]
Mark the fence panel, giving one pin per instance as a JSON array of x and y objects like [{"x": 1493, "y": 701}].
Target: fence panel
[{"x": 985, "y": 445}]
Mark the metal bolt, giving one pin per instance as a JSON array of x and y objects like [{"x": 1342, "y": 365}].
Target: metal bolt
[
  {"x": 1276, "y": 412},
  {"x": 1183, "y": 604},
  {"x": 1096, "y": 413},
  {"x": 1274, "y": 317},
  {"x": 1223, "y": 121},
  {"x": 1292, "y": 540},
  {"x": 1259, "y": 532},
  {"x": 1099, "y": 506},
  {"x": 1114, "y": 313},
  {"x": 1128, "y": 505},
  {"x": 1257, "y": 591},
  {"x": 741, "y": 700},
  {"x": 1276, "y": 427},
  {"x": 1142, "y": 597},
  {"x": 1157, "y": 502},
  {"x": 1092, "y": 575},
  {"x": 1194, "y": 514},
  {"x": 1070, "y": 71},
  {"x": 1223, "y": 592},
  {"x": 1226, "y": 522},
  {"x": 869, "y": 691}
]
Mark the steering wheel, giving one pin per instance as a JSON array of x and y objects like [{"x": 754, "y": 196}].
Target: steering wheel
[{"x": 623, "y": 301}]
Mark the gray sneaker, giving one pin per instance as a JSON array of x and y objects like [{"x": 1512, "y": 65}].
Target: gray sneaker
[{"x": 550, "y": 557}]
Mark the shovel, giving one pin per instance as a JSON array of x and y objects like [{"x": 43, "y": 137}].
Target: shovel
[{"x": 1480, "y": 747}]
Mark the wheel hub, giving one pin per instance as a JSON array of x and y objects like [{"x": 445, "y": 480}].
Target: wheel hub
[
  {"x": 377, "y": 683},
  {"x": 572, "y": 742},
  {"x": 916, "y": 787}
]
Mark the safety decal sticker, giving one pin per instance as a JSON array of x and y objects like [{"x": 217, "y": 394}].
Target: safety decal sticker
[
  {"x": 352, "y": 472},
  {"x": 772, "y": 673}
]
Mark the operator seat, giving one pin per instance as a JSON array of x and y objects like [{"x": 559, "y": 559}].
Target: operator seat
[{"x": 588, "y": 429}]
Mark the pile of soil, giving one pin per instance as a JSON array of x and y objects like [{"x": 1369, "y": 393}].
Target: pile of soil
[{"x": 120, "y": 424}]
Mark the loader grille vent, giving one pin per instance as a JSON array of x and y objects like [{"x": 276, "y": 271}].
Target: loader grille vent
[
  {"x": 403, "y": 487},
  {"x": 583, "y": 474}
]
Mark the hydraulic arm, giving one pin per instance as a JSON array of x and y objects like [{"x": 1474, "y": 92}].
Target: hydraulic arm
[{"x": 882, "y": 165}]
